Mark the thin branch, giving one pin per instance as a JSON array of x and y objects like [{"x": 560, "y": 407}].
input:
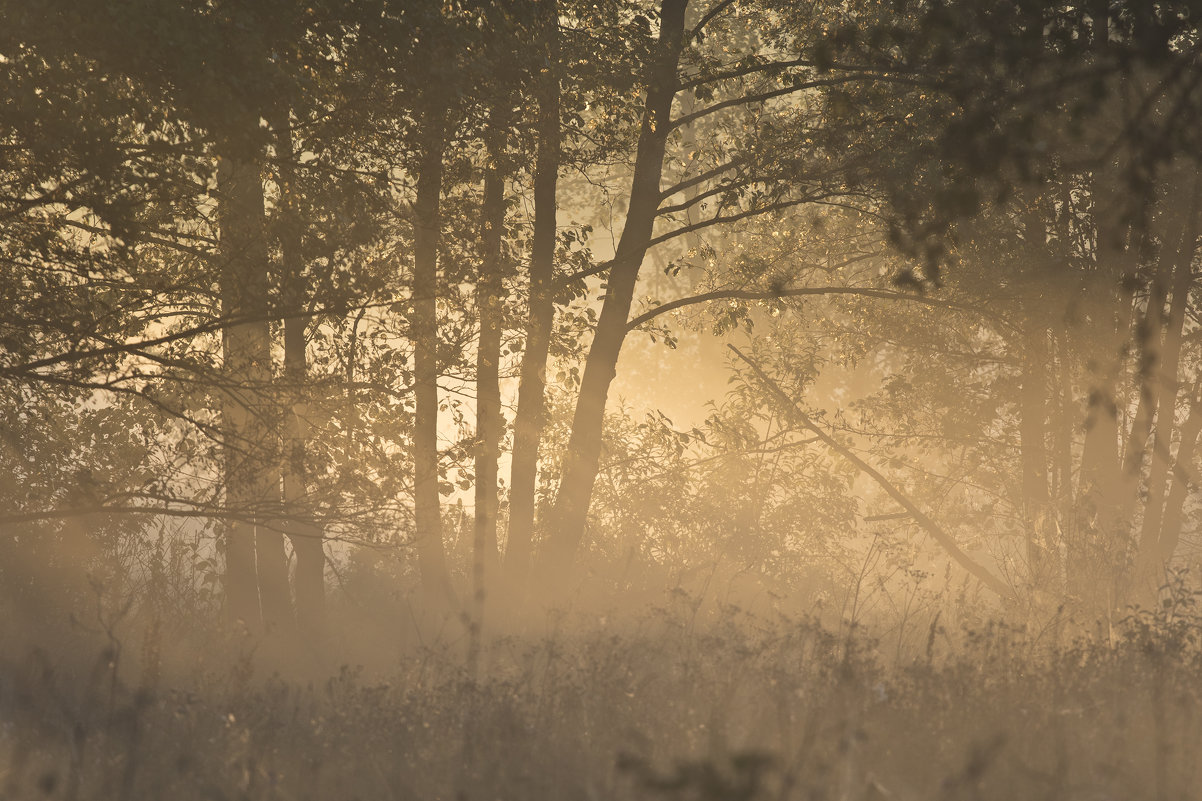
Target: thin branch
[
  {"x": 589, "y": 272},
  {"x": 274, "y": 522},
  {"x": 742, "y": 72},
  {"x": 702, "y": 178},
  {"x": 30, "y": 368},
  {"x": 718, "y": 8},
  {"x": 762, "y": 97},
  {"x": 773, "y": 294},
  {"x": 883, "y": 518},
  {"x": 701, "y": 197},
  {"x": 801, "y": 443},
  {"x": 719, "y": 219},
  {"x": 150, "y": 237}
]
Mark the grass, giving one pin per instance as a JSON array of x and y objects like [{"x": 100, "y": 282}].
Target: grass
[{"x": 722, "y": 706}]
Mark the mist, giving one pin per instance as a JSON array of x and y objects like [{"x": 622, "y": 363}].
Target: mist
[{"x": 538, "y": 399}]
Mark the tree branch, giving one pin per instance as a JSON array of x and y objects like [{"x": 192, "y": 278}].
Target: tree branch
[
  {"x": 742, "y": 72},
  {"x": 761, "y": 97},
  {"x": 772, "y": 294},
  {"x": 596, "y": 269},
  {"x": 702, "y": 178},
  {"x": 30, "y": 368},
  {"x": 701, "y": 197},
  {"x": 718, "y": 220},
  {"x": 718, "y": 8}
]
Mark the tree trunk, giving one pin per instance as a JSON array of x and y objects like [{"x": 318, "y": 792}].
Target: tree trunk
[
  {"x": 1039, "y": 516},
  {"x": 1067, "y": 420},
  {"x": 1101, "y": 533},
  {"x": 256, "y": 569},
  {"x": 431, "y": 553},
  {"x": 1136, "y": 447},
  {"x": 303, "y": 531},
  {"x": 1168, "y": 387},
  {"x": 584, "y": 445},
  {"x": 490, "y": 422},
  {"x": 1064, "y": 430},
  {"x": 1037, "y": 507},
  {"x": 530, "y": 419},
  {"x": 1100, "y": 11},
  {"x": 1184, "y": 479},
  {"x": 1159, "y": 344}
]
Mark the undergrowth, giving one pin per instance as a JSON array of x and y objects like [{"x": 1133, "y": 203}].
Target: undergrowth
[{"x": 660, "y": 707}]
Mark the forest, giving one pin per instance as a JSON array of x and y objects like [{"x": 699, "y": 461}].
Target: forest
[{"x": 707, "y": 400}]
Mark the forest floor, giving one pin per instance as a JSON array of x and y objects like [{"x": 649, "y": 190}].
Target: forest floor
[{"x": 666, "y": 706}]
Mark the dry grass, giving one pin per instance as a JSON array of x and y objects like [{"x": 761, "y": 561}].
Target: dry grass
[{"x": 725, "y": 706}]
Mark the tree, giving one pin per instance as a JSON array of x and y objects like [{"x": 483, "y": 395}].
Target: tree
[{"x": 529, "y": 421}]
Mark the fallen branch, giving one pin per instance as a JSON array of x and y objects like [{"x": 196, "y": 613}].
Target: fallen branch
[{"x": 921, "y": 518}]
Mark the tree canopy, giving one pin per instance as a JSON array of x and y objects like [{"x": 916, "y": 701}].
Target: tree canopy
[{"x": 287, "y": 281}]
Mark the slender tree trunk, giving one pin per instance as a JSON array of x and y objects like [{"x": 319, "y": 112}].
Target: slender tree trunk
[
  {"x": 1099, "y": 486},
  {"x": 490, "y": 422},
  {"x": 1184, "y": 480},
  {"x": 303, "y": 531},
  {"x": 1168, "y": 387},
  {"x": 530, "y": 419},
  {"x": 1039, "y": 516},
  {"x": 1102, "y": 534},
  {"x": 1136, "y": 447},
  {"x": 256, "y": 569},
  {"x": 1158, "y": 341},
  {"x": 1149, "y": 342},
  {"x": 584, "y": 445},
  {"x": 431, "y": 553},
  {"x": 1067, "y": 422},
  {"x": 1065, "y": 428},
  {"x": 1100, "y": 11},
  {"x": 1037, "y": 507}
]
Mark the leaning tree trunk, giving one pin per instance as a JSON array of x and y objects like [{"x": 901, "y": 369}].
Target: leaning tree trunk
[
  {"x": 530, "y": 418},
  {"x": 256, "y": 581},
  {"x": 303, "y": 531},
  {"x": 584, "y": 445},
  {"x": 427, "y": 503}
]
